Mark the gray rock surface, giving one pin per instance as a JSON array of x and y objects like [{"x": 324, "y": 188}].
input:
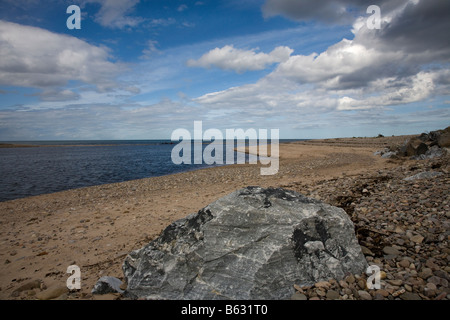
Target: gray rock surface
[
  {"x": 254, "y": 243},
  {"x": 106, "y": 285},
  {"x": 424, "y": 175}
]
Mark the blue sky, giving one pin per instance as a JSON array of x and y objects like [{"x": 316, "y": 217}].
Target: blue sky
[{"x": 139, "y": 69}]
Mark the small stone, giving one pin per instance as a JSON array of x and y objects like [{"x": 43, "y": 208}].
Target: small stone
[
  {"x": 383, "y": 275},
  {"x": 52, "y": 293},
  {"x": 366, "y": 251},
  {"x": 314, "y": 298},
  {"x": 298, "y": 296},
  {"x": 320, "y": 292},
  {"x": 364, "y": 295},
  {"x": 34, "y": 284},
  {"x": 382, "y": 292},
  {"x": 426, "y": 273},
  {"x": 350, "y": 279},
  {"x": 395, "y": 282},
  {"x": 391, "y": 251},
  {"x": 332, "y": 295},
  {"x": 404, "y": 263},
  {"x": 362, "y": 284},
  {"x": 441, "y": 296},
  {"x": 410, "y": 296},
  {"x": 398, "y": 292},
  {"x": 399, "y": 230},
  {"x": 434, "y": 280},
  {"x": 107, "y": 296},
  {"x": 106, "y": 285},
  {"x": 417, "y": 238},
  {"x": 322, "y": 284}
]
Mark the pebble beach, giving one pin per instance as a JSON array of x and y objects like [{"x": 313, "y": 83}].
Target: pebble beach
[{"x": 400, "y": 209}]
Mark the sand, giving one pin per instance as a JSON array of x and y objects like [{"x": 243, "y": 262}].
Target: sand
[{"x": 95, "y": 227}]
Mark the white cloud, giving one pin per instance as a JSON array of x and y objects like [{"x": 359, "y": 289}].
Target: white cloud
[
  {"x": 182, "y": 7},
  {"x": 230, "y": 58},
  {"x": 115, "y": 13},
  {"x": 34, "y": 57},
  {"x": 52, "y": 94},
  {"x": 151, "y": 49}
]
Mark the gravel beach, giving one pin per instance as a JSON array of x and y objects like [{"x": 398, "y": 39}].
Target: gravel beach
[{"x": 402, "y": 225}]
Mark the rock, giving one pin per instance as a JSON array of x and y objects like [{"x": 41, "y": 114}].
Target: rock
[
  {"x": 424, "y": 175},
  {"x": 254, "y": 243},
  {"x": 322, "y": 284},
  {"x": 382, "y": 292},
  {"x": 30, "y": 285},
  {"x": 417, "y": 238},
  {"x": 395, "y": 282},
  {"x": 364, "y": 295},
  {"x": 441, "y": 296},
  {"x": 404, "y": 263},
  {"x": 410, "y": 296},
  {"x": 298, "y": 296},
  {"x": 444, "y": 140},
  {"x": 391, "y": 251},
  {"x": 350, "y": 279},
  {"x": 431, "y": 153},
  {"x": 366, "y": 251},
  {"x": 332, "y": 295},
  {"x": 434, "y": 280},
  {"x": 52, "y": 293},
  {"x": 426, "y": 273},
  {"x": 106, "y": 285},
  {"x": 415, "y": 147},
  {"x": 107, "y": 296}
]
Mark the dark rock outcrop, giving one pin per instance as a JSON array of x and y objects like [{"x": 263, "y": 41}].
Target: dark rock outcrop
[
  {"x": 424, "y": 146},
  {"x": 254, "y": 243}
]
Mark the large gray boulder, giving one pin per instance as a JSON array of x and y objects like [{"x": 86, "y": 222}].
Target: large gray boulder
[{"x": 254, "y": 243}]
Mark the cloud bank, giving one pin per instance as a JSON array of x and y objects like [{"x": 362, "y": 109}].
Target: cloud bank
[
  {"x": 35, "y": 57},
  {"x": 230, "y": 58}
]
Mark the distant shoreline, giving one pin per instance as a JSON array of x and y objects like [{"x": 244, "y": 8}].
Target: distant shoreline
[
  {"x": 87, "y": 143},
  {"x": 18, "y": 145}
]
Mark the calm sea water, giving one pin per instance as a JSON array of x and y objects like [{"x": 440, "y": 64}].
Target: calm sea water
[{"x": 32, "y": 171}]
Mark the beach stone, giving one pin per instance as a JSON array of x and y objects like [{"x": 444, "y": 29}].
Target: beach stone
[
  {"x": 52, "y": 293},
  {"x": 298, "y": 296},
  {"x": 33, "y": 284},
  {"x": 410, "y": 296},
  {"x": 404, "y": 263},
  {"x": 415, "y": 147},
  {"x": 424, "y": 175},
  {"x": 332, "y": 295},
  {"x": 322, "y": 284},
  {"x": 382, "y": 292},
  {"x": 254, "y": 243},
  {"x": 417, "y": 238},
  {"x": 364, "y": 295},
  {"x": 391, "y": 251},
  {"x": 107, "y": 284},
  {"x": 426, "y": 273},
  {"x": 444, "y": 139}
]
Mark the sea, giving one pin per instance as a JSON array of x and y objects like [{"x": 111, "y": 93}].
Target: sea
[{"x": 62, "y": 165}]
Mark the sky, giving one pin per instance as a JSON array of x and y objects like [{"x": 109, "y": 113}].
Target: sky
[{"x": 140, "y": 69}]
